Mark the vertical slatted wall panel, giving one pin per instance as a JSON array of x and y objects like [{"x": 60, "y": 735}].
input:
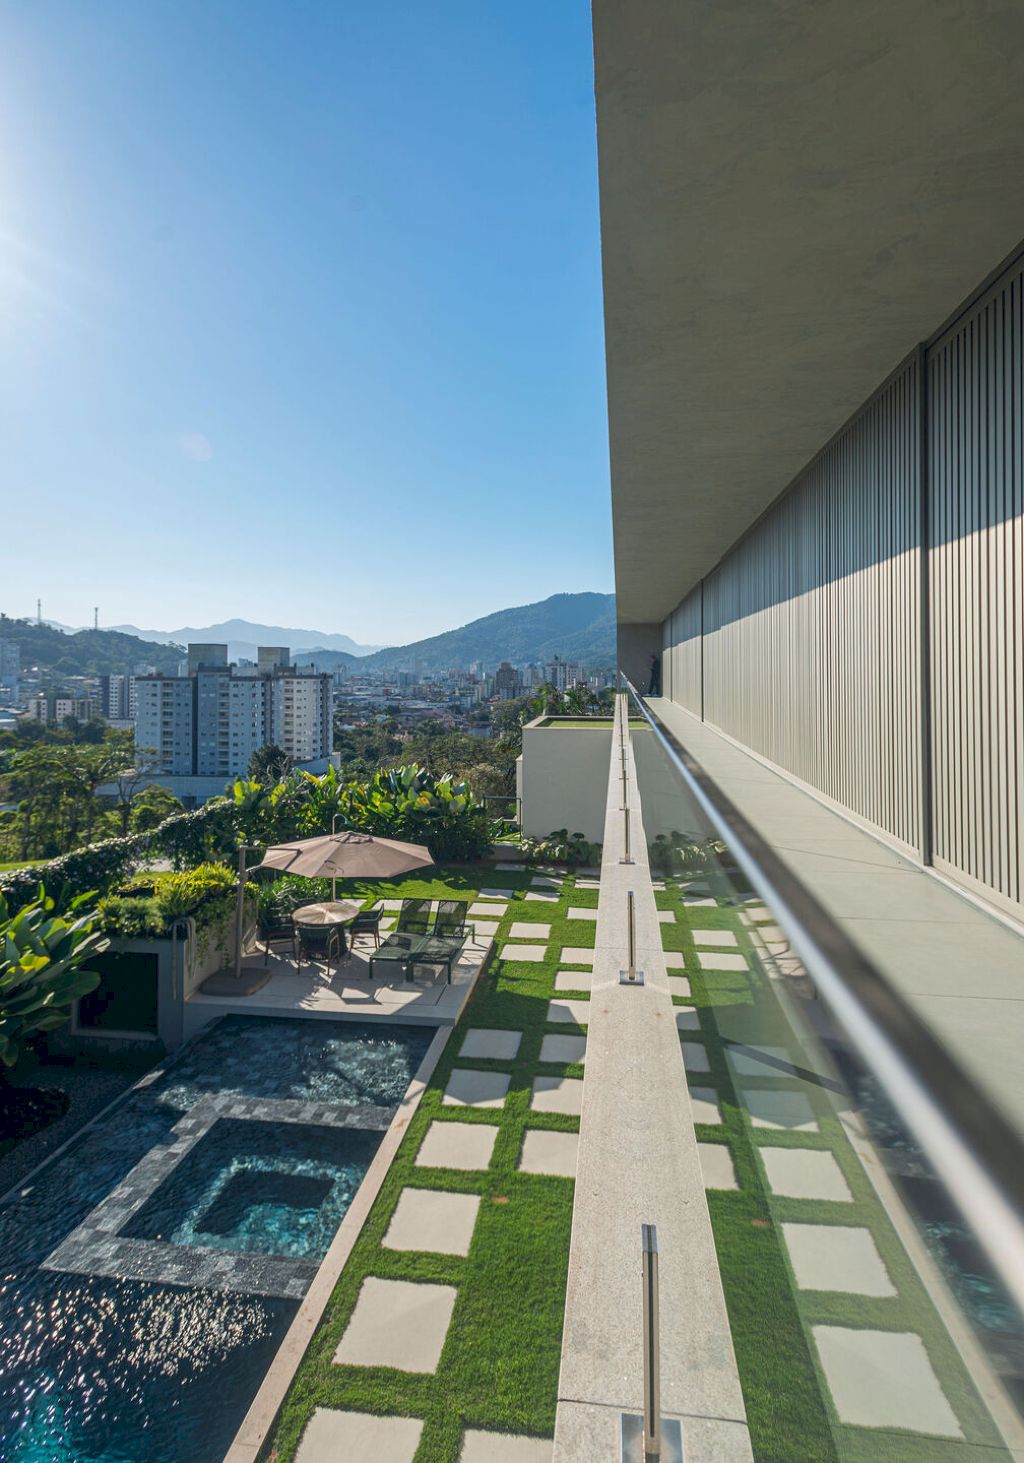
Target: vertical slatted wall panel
[
  {"x": 976, "y": 503},
  {"x": 811, "y": 644},
  {"x": 682, "y": 654}
]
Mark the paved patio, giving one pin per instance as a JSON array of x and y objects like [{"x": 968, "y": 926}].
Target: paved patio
[{"x": 346, "y": 990}]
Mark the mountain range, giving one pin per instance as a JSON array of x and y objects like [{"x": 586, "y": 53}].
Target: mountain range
[{"x": 577, "y": 627}]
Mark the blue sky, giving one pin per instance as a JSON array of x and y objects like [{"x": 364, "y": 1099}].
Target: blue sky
[{"x": 300, "y": 311}]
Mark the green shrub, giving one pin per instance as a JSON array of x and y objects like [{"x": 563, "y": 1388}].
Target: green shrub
[
  {"x": 40, "y": 953},
  {"x": 562, "y": 847},
  {"x": 130, "y": 916},
  {"x": 183, "y": 893}
]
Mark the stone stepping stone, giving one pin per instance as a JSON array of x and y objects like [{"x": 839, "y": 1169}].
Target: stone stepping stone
[
  {"x": 432, "y": 1220},
  {"x": 833, "y": 1257},
  {"x": 397, "y": 1323},
  {"x": 496, "y": 893},
  {"x": 774, "y": 938},
  {"x": 536, "y": 954},
  {"x": 679, "y": 985},
  {"x": 577, "y": 1012},
  {"x": 543, "y": 896},
  {"x": 524, "y": 930},
  {"x": 698, "y": 901},
  {"x": 716, "y": 1166},
  {"x": 563, "y": 1049},
  {"x": 695, "y": 886},
  {"x": 805, "y": 1173},
  {"x": 465, "y": 1146},
  {"x": 666, "y": 917},
  {"x": 544, "y": 881},
  {"x": 574, "y": 980},
  {"x": 758, "y": 913},
  {"x": 331, "y": 1434},
  {"x": 587, "y": 884},
  {"x": 513, "y": 868},
  {"x": 552, "y": 1153},
  {"x": 497, "y": 1046},
  {"x": 674, "y": 960},
  {"x": 704, "y": 1105},
  {"x": 884, "y": 1379},
  {"x": 688, "y": 1019},
  {"x": 577, "y": 911},
  {"x": 658, "y": 885},
  {"x": 485, "y": 911},
  {"x": 557, "y": 1094},
  {"x": 714, "y": 937},
  {"x": 467, "y": 1088},
  {"x": 788, "y": 1112},
  {"x": 721, "y": 960},
  {"x": 391, "y": 903},
  {"x": 577, "y": 955},
  {"x": 481, "y": 1447},
  {"x": 761, "y": 1061},
  {"x": 695, "y": 1057},
  {"x": 484, "y": 929}
]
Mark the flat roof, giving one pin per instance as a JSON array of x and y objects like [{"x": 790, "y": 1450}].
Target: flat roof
[{"x": 792, "y": 197}]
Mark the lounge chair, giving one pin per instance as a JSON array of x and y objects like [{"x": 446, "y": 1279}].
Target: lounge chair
[
  {"x": 450, "y": 921},
  {"x": 413, "y": 917},
  {"x": 395, "y": 950}
]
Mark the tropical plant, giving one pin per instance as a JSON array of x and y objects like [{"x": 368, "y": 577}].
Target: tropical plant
[
  {"x": 682, "y": 856},
  {"x": 561, "y": 847},
  {"x": 411, "y": 803},
  {"x": 269, "y": 764},
  {"x": 40, "y": 958}
]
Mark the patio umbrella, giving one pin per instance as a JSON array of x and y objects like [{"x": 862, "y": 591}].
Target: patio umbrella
[{"x": 346, "y": 855}]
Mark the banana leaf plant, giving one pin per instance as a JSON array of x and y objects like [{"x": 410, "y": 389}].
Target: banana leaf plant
[{"x": 40, "y": 956}]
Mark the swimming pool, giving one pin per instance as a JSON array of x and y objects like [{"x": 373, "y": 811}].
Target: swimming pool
[{"x": 148, "y": 1275}]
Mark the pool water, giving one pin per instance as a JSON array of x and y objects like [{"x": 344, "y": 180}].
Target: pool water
[{"x": 235, "y": 1164}]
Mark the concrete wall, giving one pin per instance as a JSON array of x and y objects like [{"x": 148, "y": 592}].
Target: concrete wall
[{"x": 561, "y": 778}]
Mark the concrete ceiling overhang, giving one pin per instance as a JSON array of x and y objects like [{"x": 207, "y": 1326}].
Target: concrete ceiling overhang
[{"x": 794, "y": 193}]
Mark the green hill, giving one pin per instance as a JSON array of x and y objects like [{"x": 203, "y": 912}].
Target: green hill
[
  {"x": 579, "y": 627},
  {"x": 88, "y": 652}
]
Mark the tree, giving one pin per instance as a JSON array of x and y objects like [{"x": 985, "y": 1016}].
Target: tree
[
  {"x": 40, "y": 958},
  {"x": 269, "y": 763},
  {"x": 151, "y": 805}
]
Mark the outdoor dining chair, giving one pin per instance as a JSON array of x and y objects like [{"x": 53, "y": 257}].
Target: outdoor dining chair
[
  {"x": 320, "y": 942},
  {"x": 367, "y": 922}
]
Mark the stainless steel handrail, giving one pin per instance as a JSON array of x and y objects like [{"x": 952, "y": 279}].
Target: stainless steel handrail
[{"x": 972, "y": 1147}]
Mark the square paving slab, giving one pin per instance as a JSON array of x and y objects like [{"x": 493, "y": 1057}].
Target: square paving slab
[
  {"x": 716, "y": 1166},
  {"x": 580, "y": 911},
  {"x": 535, "y": 954},
  {"x": 679, "y": 985},
  {"x": 397, "y": 1323},
  {"x": 467, "y": 1088},
  {"x": 704, "y": 1105},
  {"x": 552, "y": 1153},
  {"x": 674, "y": 960},
  {"x": 543, "y": 896},
  {"x": 577, "y": 955},
  {"x": 563, "y": 1049},
  {"x": 479, "y": 1447},
  {"x": 557, "y": 1094},
  {"x": 804, "y": 1173},
  {"x": 699, "y": 901},
  {"x": 666, "y": 917},
  {"x": 756, "y": 913},
  {"x": 526, "y": 931},
  {"x": 331, "y": 1435},
  {"x": 498, "y": 1046},
  {"x": 789, "y": 1112},
  {"x": 496, "y": 893},
  {"x": 485, "y": 911},
  {"x": 884, "y": 1379},
  {"x": 721, "y": 960},
  {"x": 484, "y": 929},
  {"x": 457, "y": 1145},
  {"x": 832, "y": 1257},
  {"x": 574, "y": 980},
  {"x": 429, "y": 1219},
  {"x": 575, "y": 1011},
  {"x": 687, "y": 1019},
  {"x": 714, "y": 937},
  {"x": 544, "y": 881},
  {"x": 695, "y": 1057}
]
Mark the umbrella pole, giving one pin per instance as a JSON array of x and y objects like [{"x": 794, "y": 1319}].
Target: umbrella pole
[{"x": 240, "y": 910}]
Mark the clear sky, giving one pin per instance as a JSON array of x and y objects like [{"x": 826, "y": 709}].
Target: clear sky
[{"x": 300, "y": 311}]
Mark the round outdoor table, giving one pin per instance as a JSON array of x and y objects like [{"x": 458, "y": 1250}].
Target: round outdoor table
[{"x": 336, "y": 912}]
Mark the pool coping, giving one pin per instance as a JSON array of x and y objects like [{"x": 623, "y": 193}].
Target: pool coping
[{"x": 256, "y": 1425}]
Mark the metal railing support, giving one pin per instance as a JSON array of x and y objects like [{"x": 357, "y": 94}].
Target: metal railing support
[
  {"x": 652, "y": 1349},
  {"x": 631, "y": 976}
]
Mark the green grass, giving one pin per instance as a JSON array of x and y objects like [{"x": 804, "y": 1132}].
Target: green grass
[
  {"x": 789, "y": 1409},
  {"x": 499, "y": 1367},
  {"x": 21, "y": 863}
]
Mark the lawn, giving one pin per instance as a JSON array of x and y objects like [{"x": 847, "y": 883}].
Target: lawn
[
  {"x": 789, "y": 1408},
  {"x": 499, "y": 1367}
]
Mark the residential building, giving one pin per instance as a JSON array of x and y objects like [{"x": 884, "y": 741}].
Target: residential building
[
  {"x": 299, "y": 715},
  {"x": 507, "y": 682},
  {"x": 271, "y": 658},
  {"x": 75, "y": 708},
  {"x": 165, "y": 721},
  {"x": 206, "y": 657}
]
